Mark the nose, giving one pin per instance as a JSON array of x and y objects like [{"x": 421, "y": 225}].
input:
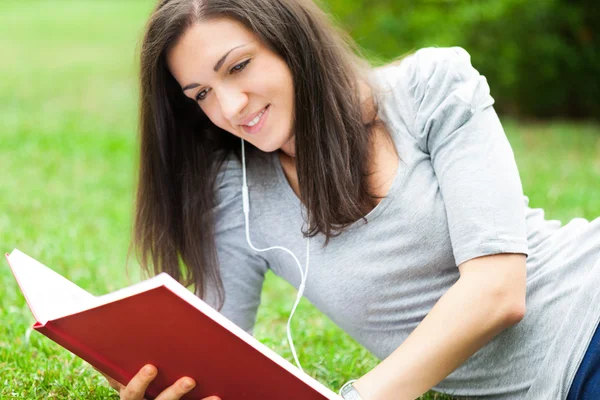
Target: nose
[{"x": 232, "y": 101}]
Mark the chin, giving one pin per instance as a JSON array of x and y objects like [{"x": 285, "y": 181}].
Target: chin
[
  {"x": 270, "y": 144},
  {"x": 269, "y": 147}
]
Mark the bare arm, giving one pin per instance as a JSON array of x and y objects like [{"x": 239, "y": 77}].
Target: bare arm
[{"x": 488, "y": 298}]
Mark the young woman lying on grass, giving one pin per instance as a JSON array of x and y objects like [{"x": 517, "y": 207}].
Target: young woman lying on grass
[{"x": 400, "y": 182}]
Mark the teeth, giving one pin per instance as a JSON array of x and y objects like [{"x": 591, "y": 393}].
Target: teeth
[{"x": 257, "y": 118}]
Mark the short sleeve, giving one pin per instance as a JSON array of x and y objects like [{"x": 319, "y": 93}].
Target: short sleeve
[
  {"x": 242, "y": 270},
  {"x": 456, "y": 125}
]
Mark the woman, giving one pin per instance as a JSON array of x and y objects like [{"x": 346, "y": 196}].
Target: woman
[{"x": 426, "y": 250}]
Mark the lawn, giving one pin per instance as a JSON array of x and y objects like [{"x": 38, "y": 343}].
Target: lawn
[{"x": 68, "y": 100}]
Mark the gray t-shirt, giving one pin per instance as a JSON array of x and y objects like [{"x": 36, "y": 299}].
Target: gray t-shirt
[{"x": 456, "y": 195}]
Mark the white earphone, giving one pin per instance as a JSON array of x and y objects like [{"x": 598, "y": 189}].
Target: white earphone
[{"x": 303, "y": 274}]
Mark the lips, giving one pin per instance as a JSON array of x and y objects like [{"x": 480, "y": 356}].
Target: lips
[
  {"x": 256, "y": 128},
  {"x": 252, "y": 116}
]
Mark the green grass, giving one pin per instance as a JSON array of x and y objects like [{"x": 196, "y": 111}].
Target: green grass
[{"x": 68, "y": 101}]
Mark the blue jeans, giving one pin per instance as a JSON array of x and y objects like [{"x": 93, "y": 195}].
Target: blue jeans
[{"x": 586, "y": 385}]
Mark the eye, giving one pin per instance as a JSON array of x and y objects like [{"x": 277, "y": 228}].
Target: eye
[
  {"x": 239, "y": 67},
  {"x": 201, "y": 95}
]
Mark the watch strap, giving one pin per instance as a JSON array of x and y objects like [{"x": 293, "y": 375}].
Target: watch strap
[{"x": 349, "y": 392}]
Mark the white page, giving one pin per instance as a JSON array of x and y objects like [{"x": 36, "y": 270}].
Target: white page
[
  {"x": 48, "y": 294},
  {"x": 136, "y": 288}
]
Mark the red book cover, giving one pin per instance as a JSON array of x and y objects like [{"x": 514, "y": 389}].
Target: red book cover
[{"x": 159, "y": 322}]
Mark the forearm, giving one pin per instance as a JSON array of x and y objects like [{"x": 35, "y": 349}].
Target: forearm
[{"x": 461, "y": 322}]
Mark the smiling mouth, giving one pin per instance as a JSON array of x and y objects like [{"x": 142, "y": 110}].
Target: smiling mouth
[
  {"x": 257, "y": 123},
  {"x": 257, "y": 118}
]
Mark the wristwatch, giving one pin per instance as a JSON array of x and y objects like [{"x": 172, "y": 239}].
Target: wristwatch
[{"x": 348, "y": 392}]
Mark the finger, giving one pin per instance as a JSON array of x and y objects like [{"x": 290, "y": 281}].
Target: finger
[
  {"x": 178, "y": 389},
  {"x": 137, "y": 386},
  {"x": 118, "y": 386},
  {"x": 114, "y": 384}
]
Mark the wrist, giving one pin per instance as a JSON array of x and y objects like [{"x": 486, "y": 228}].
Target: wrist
[{"x": 349, "y": 392}]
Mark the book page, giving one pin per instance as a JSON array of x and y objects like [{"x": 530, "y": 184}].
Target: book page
[
  {"x": 48, "y": 294},
  {"x": 136, "y": 288}
]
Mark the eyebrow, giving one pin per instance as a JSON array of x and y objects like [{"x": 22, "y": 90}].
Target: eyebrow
[{"x": 216, "y": 68}]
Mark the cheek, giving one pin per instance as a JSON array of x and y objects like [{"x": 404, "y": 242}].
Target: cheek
[
  {"x": 286, "y": 86},
  {"x": 274, "y": 83}
]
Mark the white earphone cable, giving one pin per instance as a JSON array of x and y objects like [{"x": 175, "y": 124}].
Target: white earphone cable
[{"x": 303, "y": 274}]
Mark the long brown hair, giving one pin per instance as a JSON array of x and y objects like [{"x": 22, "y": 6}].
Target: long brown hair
[{"x": 182, "y": 151}]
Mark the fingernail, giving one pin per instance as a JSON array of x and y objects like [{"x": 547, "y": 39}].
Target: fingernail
[
  {"x": 188, "y": 384},
  {"x": 148, "y": 370}
]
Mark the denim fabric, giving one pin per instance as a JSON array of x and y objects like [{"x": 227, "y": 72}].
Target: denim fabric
[{"x": 586, "y": 385}]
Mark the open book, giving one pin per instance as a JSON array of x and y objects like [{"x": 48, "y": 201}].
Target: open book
[{"x": 160, "y": 322}]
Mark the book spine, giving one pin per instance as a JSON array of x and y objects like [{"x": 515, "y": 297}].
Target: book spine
[{"x": 82, "y": 351}]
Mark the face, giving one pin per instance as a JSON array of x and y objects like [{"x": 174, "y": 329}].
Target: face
[{"x": 241, "y": 85}]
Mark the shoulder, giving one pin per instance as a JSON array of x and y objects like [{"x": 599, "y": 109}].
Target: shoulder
[
  {"x": 432, "y": 62},
  {"x": 230, "y": 173},
  {"x": 432, "y": 73},
  {"x": 229, "y": 177},
  {"x": 436, "y": 84},
  {"x": 429, "y": 75}
]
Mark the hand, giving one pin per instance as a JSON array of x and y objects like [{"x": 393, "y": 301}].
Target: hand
[{"x": 137, "y": 386}]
